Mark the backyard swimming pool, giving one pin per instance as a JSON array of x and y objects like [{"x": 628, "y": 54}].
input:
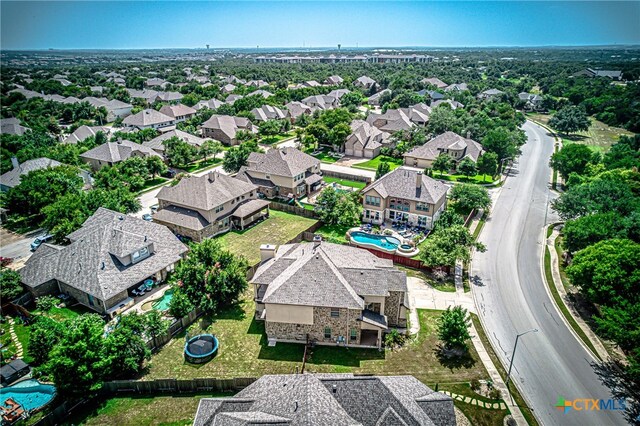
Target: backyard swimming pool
[
  {"x": 31, "y": 394},
  {"x": 383, "y": 242},
  {"x": 162, "y": 304}
]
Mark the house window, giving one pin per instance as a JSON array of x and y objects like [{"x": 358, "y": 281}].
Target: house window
[
  {"x": 422, "y": 220},
  {"x": 219, "y": 208},
  {"x": 327, "y": 332},
  {"x": 422, "y": 207},
  {"x": 353, "y": 334},
  {"x": 367, "y": 214},
  {"x": 90, "y": 297},
  {"x": 137, "y": 255},
  {"x": 372, "y": 201},
  {"x": 335, "y": 312}
]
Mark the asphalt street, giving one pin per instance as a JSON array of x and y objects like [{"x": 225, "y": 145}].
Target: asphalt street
[{"x": 511, "y": 296}]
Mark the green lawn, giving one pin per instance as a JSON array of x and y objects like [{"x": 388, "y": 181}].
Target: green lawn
[
  {"x": 599, "y": 137},
  {"x": 447, "y": 285},
  {"x": 270, "y": 140},
  {"x": 278, "y": 229},
  {"x": 153, "y": 182},
  {"x": 244, "y": 353},
  {"x": 477, "y": 415},
  {"x": 344, "y": 182},
  {"x": 202, "y": 164},
  {"x": 334, "y": 233},
  {"x": 373, "y": 163},
  {"x": 462, "y": 178},
  {"x": 142, "y": 411},
  {"x": 323, "y": 156}
]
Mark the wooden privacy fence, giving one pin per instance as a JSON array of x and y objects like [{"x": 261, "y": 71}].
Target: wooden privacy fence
[
  {"x": 288, "y": 208},
  {"x": 405, "y": 261},
  {"x": 175, "y": 386},
  {"x": 176, "y": 327}
]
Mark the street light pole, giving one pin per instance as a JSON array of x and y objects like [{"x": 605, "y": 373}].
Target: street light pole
[{"x": 513, "y": 354}]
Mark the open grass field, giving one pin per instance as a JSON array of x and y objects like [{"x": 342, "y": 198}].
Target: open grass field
[
  {"x": 244, "y": 353},
  {"x": 278, "y": 229},
  {"x": 599, "y": 137},
  {"x": 333, "y": 233},
  {"x": 345, "y": 182},
  {"x": 373, "y": 164}
]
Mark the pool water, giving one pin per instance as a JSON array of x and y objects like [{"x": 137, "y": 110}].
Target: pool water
[
  {"x": 162, "y": 304},
  {"x": 383, "y": 241},
  {"x": 31, "y": 394}
]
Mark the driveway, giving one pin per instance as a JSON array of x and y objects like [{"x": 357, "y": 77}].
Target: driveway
[{"x": 16, "y": 246}]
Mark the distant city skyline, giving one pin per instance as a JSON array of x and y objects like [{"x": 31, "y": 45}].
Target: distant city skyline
[{"x": 155, "y": 25}]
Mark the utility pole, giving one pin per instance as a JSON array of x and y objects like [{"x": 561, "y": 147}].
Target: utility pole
[{"x": 513, "y": 354}]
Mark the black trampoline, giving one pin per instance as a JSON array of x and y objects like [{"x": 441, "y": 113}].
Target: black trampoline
[{"x": 201, "y": 348}]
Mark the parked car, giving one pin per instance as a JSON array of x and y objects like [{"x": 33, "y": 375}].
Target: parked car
[
  {"x": 147, "y": 217},
  {"x": 42, "y": 239},
  {"x": 154, "y": 208}
]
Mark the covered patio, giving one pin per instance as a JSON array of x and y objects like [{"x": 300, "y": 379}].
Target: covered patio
[{"x": 249, "y": 212}]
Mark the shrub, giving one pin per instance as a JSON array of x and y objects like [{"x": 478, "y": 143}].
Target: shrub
[
  {"x": 495, "y": 394},
  {"x": 46, "y": 303},
  {"x": 394, "y": 339},
  {"x": 475, "y": 385}
]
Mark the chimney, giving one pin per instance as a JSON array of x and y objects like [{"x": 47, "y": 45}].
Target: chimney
[
  {"x": 119, "y": 140},
  {"x": 418, "y": 180},
  {"x": 317, "y": 239},
  {"x": 15, "y": 163},
  {"x": 468, "y": 134},
  {"x": 212, "y": 176},
  {"x": 267, "y": 251}
]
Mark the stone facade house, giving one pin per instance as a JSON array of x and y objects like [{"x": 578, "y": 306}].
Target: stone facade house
[
  {"x": 13, "y": 177},
  {"x": 364, "y": 82},
  {"x": 285, "y": 173},
  {"x": 178, "y": 112},
  {"x": 330, "y": 294},
  {"x": 457, "y": 147},
  {"x": 268, "y": 112},
  {"x": 149, "y": 119},
  {"x": 365, "y": 140},
  {"x": 111, "y": 153},
  {"x": 224, "y": 128},
  {"x": 330, "y": 399},
  {"x": 404, "y": 196},
  {"x": 201, "y": 207},
  {"x": 394, "y": 120},
  {"x": 108, "y": 256},
  {"x": 157, "y": 144}
]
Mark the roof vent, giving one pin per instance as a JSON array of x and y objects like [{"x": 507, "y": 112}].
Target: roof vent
[
  {"x": 317, "y": 240},
  {"x": 296, "y": 409},
  {"x": 120, "y": 217},
  {"x": 102, "y": 266},
  {"x": 335, "y": 388},
  {"x": 145, "y": 238}
]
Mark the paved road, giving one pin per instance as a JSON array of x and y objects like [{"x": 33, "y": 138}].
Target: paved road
[{"x": 511, "y": 297}]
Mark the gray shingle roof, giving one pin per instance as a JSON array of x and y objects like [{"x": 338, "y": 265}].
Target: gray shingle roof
[
  {"x": 114, "y": 152},
  {"x": 268, "y": 112},
  {"x": 205, "y": 192},
  {"x": 368, "y": 135},
  {"x": 249, "y": 207},
  {"x": 228, "y": 124},
  {"x": 435, "y": 82},
  {"x": 330, "y": 399},
  {"x": 443, "y": 142},
  {"x": 287, "y": 162},
  {"x": 89, "y": 263},
  {"x": 401, "y": 183},
  {"x": 147, "y": 117},
  {"x": 177, "y": 110},
  {"x": 12, "y": 126},
  {"x": 84, "y": 132},
  {"x": 157, "y": 143},
  {"x": 12, "y": 177},
  {"x": 180, "y": 216},
  {"x": 330, "y": 275}
]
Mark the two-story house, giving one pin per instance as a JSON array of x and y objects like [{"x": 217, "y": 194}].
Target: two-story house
[
  {"x": 404, "y": 196},
  {"x": 111, "y": 153},
  {"x": 365, "y": 140},
  {"x": 201, "y": 207},
  {"x": 149, "y": 119},
  {"x": 328, "y": 293},
  {"x": 452, "y": 144},
  {"x": 179, "y": 112},
  {"x": 286, "y": 172},
  {"x": 224, "y": 128},
  {"x": 109, "y": 255}
]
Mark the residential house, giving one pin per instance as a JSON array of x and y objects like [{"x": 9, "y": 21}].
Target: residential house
[
  {"x": 257, "y": 83},
  {"x": 286, "y": 172},
  {"x": 321, "y": 102},
  {"x": 490, "y": 93},
  {"x": 394, "y": 120},
  {"x": 115, "y": 108},
  {"x": 212, "y": 103},
  {"x": 406, "y": 196},
  {"x": 228, "y": 88},
  {"x": 171, "y": 97},
  {"x": 260, "y": 92},
  {"x": 296, "y": 109},
  {"x": 224, "y": 128},
  {"x": 365, "y": 140},
  {"x": 268, "y": 112},
  {"x": 311, "y": 83},
  {"x": 591, "y": 73},
  {"x": 62, "y": 81},
  {"x": 453, "y": 104},
  {"x": 84, "y": 132},
  {"x": 330, "y": 399},
  {"x": 156, "y": 82},
  {"x": 178, "y": 112},
  {"x": 374, "y": 100},
  {"x": 531, "y": 102},
  {"x": 456, "y": 87},
  {"x": 109, "y": 256},
  {"x": 231, "y": 99},
  {"x": 232, "y": 79},
  {"x": 328, "y": 294},
  {"x": 157, "y": 144},
  {"x": 12, "y": 178},
  {"x": 457, "y": 147},
  {"x": 12, "y": 126},
  {"x": 333, "y": 80},
  {"x": 111, "y": 153},
  {"x": 434, "y": 81},
  {"x": 338, "y": 93},
  {"x": 431, "y": 94},
  {"x": 364, "y": 82},
  {"x": 201, "y": 207},
  {"x": 149, "y": 119}
]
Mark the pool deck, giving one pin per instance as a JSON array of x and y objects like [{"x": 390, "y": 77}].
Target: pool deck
[
  {"x": 155, "y": 294},
  {"x": 394, "y": 234}
]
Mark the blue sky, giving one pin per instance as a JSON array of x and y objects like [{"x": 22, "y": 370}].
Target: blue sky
[{"x": 132, "y": 25}]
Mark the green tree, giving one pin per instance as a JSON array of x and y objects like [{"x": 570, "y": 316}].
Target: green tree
[
  {"x": 488, "y": 164},
  {"x": 338, "y": 135},
  {"x": 180, "y": 304},
  {"x": 155, "y": 323},
  {"x": 468, "y": 197},
  {"x": 44, "y": 333},
  {"x": 270, "y": 128},
  {"x": 504, "y": 143},
  {"x": 179, "y": 153},
  {"x": 156, "y": 166},
  {"x": 338, "y": 208},
  {"x": 125, "y": 350},
  {"x": 10, "y": 284},
  {"x": 447, "y": 245},
  {"x": 570, "y": 119},
  {"x": 608, "y": 272},
  {"x": 442, "y": 119},
  {"x": 453, "y": 327},
  {"x": 237, "y": 156},
  {"x": 582, "y": 232},
  {"x": 467, "y": 167},
  {"x": 573, "y": 158},
  {"x": 443, "y": 163},
  {"x": 211, "y": 277},
  {"x": 210, "y": 147},
  {"x": 46, "y": 303},
  {"x": 383, "y": 169}
]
